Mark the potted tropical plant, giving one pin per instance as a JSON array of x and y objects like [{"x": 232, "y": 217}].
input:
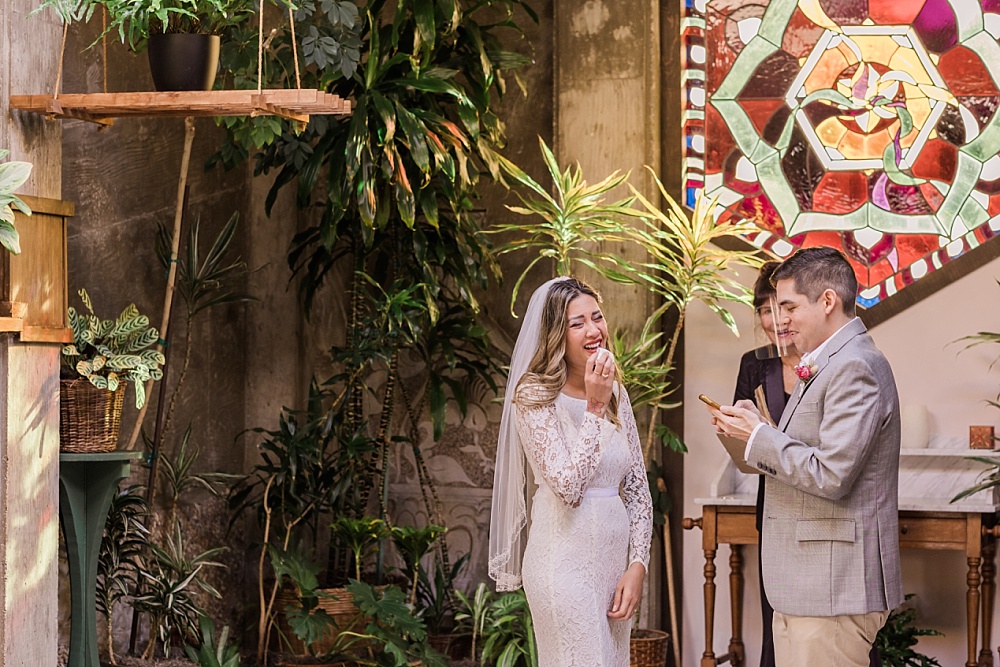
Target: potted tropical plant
[
  {"x": 313, "y": 467},
  {"x": 103, "y": 358},
  {"x": 182, "y": 36},
  {"x": 13, "y": 174}
]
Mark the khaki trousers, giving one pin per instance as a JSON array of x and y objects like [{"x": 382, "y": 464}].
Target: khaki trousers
[{"x": 825, "y": 641}]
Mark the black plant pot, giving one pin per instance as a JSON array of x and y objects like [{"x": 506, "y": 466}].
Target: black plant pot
[{"x": 180, "y": 61}]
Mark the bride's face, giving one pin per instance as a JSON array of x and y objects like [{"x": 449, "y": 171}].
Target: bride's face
[{"x": 586, "y": 332}]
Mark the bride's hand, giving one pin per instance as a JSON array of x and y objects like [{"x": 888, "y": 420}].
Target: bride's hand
[
  {"x": 598, "y": 380},
  {"x": 628, "y": 592}
]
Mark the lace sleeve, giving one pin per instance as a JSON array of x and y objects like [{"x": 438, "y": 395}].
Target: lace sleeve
[
  {"x": 635, "y": 490},
  {"x": 567, "y": 470}
]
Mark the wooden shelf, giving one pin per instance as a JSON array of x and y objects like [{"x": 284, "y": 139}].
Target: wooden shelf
[{"x": 294, "y": 104}]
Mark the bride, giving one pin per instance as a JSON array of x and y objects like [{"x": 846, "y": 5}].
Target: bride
[{"x": 587, "y": 548}]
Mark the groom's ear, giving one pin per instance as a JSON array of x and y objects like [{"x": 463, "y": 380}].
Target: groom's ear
[{"x": 829, "y": 300}]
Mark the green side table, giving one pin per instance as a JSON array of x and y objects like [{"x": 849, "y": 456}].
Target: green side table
[{"x": 87, "y": 484}]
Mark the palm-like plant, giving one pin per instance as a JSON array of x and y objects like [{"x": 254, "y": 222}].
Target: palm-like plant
[
  {"x": 203, "y": 281},
  {"x": 360, "y": 536},
  {"x": 413, "y": 544},
  {"x": 179, "y": 476},
  {"x": 687, "y": 264},
  {"x": 572, "y": 221},
  {"x": 168, "y": 595},
  {"x": 120, "y": 558}
]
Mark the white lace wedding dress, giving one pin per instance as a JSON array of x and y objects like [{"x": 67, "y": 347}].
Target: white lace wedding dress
[{"x": 591, "y": 517}]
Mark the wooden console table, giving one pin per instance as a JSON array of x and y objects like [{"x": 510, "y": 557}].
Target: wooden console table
[{"x": 971, "y": 532}]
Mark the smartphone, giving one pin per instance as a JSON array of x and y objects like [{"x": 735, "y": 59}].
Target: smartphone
[{"x": 705, "y": 399}]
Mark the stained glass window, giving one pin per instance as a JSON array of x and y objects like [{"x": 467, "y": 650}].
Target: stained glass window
[{"x": 868, "y": 125}]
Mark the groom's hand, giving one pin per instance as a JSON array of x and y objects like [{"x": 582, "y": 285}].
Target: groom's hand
[{"x": 737, "y": 420}]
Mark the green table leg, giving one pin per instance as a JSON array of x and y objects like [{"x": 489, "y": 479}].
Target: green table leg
[{"x": 87, "y": 484}]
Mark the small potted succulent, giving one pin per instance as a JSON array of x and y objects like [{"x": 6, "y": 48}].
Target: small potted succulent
[{"x": 103, "y": 357}]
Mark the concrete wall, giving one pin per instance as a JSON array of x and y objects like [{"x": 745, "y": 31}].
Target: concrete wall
[
  {"x": 29, "y": 416},
  {"x": 919, "y": 343}
]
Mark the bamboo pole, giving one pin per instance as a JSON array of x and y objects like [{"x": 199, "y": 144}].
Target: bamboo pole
[
  {"x": 172, "y": 268},
  {"x": 668, "y": 556}
]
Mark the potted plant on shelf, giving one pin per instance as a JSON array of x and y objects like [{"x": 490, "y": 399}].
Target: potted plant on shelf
[
  {"x": 13, "y": 174},
  {"x": 182, "y": 36},
  {"x": 103, "y": 357}
]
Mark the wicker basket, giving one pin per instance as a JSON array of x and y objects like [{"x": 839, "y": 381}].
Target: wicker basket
[
  {"x": 89, "y": 418},
  {"x": 648, "y": 648},
  {"x": 338, "y": 603}
]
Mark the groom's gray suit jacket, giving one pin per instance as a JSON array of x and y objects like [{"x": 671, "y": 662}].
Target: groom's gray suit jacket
[{"x": 830, "y": 534}]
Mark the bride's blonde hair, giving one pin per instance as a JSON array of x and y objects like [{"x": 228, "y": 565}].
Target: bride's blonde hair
[{"x": 547, "y": 372}]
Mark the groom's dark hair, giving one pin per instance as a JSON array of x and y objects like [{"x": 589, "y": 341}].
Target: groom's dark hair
[{"x": 818, "y": 269}]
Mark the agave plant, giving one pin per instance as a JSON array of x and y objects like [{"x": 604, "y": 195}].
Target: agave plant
[
  {"x": 12, "y": 176},
  {"x": 213, "y": 652}
]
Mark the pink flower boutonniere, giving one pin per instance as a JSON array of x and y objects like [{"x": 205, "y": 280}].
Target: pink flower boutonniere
[{"x": 806, "y": 371}]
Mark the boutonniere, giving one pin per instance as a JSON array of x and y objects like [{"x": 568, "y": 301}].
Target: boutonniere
[{"x": 806, "y": 371}]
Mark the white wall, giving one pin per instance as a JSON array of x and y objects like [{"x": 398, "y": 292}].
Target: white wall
[{"x": 929, "y": 369}]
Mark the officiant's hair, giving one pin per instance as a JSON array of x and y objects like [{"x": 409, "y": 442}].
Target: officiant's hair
[
  {"x": 547, "y": 372},
  {"x": 762, "y": 287},
  {"x": 818, "y": 269}
]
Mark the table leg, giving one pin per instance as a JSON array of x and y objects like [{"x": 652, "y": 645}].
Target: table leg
[
  {"x": 972, "y": 607},
  {"x": 737, "y": 655},
  {"x": 989, "y": 569},
  {"x": 708, "y": 657},
  {"x": 85, "y": 492}
]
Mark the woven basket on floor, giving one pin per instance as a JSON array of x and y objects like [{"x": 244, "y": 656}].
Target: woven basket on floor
[
  {"x": 89, "y": 418},
  {"x": 648, "y": 648},
  {"x": 338, "y": 603}
]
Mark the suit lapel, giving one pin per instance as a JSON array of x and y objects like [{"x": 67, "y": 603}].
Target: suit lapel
[{"x": 850, "y": 331}]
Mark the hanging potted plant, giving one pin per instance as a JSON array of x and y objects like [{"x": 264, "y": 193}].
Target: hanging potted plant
[
  {"x": 182, "y": 36},
  {"x": 103, "y": 357}
]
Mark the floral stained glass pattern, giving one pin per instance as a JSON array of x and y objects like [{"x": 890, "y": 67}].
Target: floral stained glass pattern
[{"x": 868, "y": 125}]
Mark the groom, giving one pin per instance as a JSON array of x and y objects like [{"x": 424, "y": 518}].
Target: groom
[{"x": 830, "y": 533}]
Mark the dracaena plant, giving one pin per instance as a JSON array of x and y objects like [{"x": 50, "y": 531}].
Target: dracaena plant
[
  {"x": 109, "y": 352},
  {"x": 684, "y": 263},
  {"x": 13, "y": 174},
  {"x": 565, "y": 227}
]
